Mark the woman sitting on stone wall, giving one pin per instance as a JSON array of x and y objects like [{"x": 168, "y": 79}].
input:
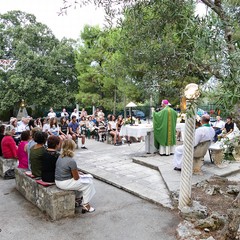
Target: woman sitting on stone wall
[
  {"x": 67, "y": 176},
  {"x": 9, "y": 147}
]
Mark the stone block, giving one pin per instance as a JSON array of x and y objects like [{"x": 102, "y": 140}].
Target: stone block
[
  {"x": 55, "y": 202},
  {"x": 6, "y": 164}
]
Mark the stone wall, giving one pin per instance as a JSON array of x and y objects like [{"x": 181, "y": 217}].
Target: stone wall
[
  {"x": 6, "y": 164},
  {"x": 55, "y": 202}
]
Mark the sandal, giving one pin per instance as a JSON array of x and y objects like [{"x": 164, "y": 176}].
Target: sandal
[
  {"x": 87, "y": 208},
  {"x": 78, "y": 202}
]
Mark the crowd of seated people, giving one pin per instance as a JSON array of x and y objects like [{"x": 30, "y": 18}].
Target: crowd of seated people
[
  {"x": 94, "y": 126},
  {"x": 40, "y": 141}
]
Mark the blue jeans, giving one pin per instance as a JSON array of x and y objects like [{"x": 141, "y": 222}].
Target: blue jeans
[{"x": 217, "y": 132}]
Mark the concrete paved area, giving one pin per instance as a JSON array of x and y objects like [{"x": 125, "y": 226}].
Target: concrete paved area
[
  {"x": 118, "y": 216},
  {"x": 149, "y": 176}
]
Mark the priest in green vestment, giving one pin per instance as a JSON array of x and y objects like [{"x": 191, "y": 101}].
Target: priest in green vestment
[{"x": 164, "y": 126}]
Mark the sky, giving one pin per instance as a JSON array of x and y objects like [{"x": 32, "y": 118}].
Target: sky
[
  {"x": 70, "y": 25},
  {"x": 46, "y": 11}
]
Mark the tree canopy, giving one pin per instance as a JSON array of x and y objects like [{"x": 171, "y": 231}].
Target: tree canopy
[
  {"x": 45, "y": 72},
  {"x": 211, "y": 44}
]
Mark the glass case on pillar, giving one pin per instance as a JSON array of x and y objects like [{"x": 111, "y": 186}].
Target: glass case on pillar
[{"x": 22, "y": 112}]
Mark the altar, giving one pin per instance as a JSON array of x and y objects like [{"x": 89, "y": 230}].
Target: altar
[
  {"x": 181, "y": 128},
  {"x": 146, "y": 131},
  {"x": 141, "y": 130}
]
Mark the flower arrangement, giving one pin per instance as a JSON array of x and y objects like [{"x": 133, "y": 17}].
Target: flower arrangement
[
  {"x": 228, "y": 146},
  {"x": 128, "y": 120}
]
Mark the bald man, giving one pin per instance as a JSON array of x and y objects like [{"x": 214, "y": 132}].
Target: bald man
[{"x": 202, "y": 134}]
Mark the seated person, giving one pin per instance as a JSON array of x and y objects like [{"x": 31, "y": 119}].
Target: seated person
[
  {"x": 8, "y": 145},
  {"x": 31, "y": 143},
  {"x": 50, "y": 157},
  {"x": 2, "y": 130},
  {"x": 100, "y": 129},
  {"x": 31, "y": 124},
  {"x": 46, "y": 125},
  {"x": 38, "y": 123},
  {"x": 119, "y": 123},
  {"x": 23, "y": 125},
  {"x": 202, "y": 134},
  {"x": 90, "y": 124},
  {"x": 67, "y": 176},
  {"x": 37, "y": 153},
  {"x": 54, "y": 129},
  {"x": 112, "y": 129},
  {"x": 63, "y": 128},
  {"x": 14, "y": 123},
  {"x": 228, "y": 128},
  {"x": 74, "y": 131},
  {"x": 22, "y": 150},
  {"x": 218, "y": 126}
]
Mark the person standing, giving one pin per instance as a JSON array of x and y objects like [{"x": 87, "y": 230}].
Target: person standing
[
  {"x": 75, "y": 113},
  {"x": 64, "y": 113},
  {"x": 51, "y": 113},
  {"x": 164, "y": 126},
  {"x": 83, "y": 113}
]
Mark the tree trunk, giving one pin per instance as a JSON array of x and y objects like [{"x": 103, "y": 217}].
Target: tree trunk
[{"x": 216, "y": 6}]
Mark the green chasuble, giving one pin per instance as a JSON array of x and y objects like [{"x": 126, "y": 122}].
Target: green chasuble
[{"x": 164, "y": 126}]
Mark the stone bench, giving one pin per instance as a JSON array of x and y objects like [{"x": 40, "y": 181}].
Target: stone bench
[
  {"x": 198, "y": 156},
  {"x": 6, "y": 164},
  {"x": 55, "y": 202},
  {"x": 216, "y": 153}
]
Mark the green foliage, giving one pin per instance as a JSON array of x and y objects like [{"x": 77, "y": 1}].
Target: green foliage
[
  {"x": 163, "y": 47},
  {"x": 100, "y": 83},
  {"x": 160, "y": 48},
  {"x": 227, "y": 28},
  {"x": 45, "y": 74}
]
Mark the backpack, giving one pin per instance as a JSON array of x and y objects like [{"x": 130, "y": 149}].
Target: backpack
[{"x": 9, "y": 174}]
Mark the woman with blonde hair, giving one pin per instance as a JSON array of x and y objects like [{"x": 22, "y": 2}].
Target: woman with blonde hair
[{"x": 67, "y": 176}]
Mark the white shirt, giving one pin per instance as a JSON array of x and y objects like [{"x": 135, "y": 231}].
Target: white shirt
[
  {"x": 54, "y": 130},
  {"x": 64, "y": 114},
  {"x": 22, "y": 127},
  {"x": 74, "y": 114},
  {"x": 46, "y": 127},
  {"x": 112, "y": 125},
  {"x": 101, "y": 114},
  {"x": 203, "y": 134},
  {"x": 51, "y": 114},
  {"x": 219, "y": 124}
]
